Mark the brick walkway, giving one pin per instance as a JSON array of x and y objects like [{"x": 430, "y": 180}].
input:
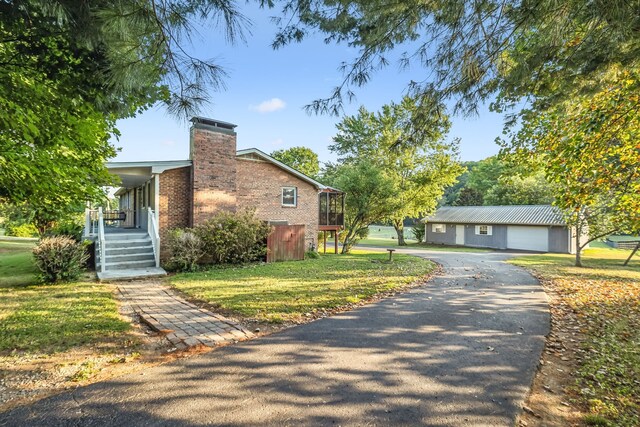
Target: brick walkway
[{"x": 185, "y": 324}]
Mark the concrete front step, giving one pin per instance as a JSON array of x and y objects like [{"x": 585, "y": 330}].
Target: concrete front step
[
  {"x": 126, "y": 236},
  {"x": 133, "y": 273},
  {"x": 127, "y": 265},
  {"x": 137, "y": 256},
  {"x": 129, "y": 250},
  {"x": 121, "y": 244}
]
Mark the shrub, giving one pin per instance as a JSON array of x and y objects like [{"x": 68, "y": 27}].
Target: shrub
[
  {"x": 234, "y": 238},
  {"x": 72, "y": 227},
  {"x": 186, "y": 250},
  {"x": 418, "y": 232},
  {"x": 21, "y": 230},
  {"x": 311, "y": 255},
  {"x": 60, "y": 258}
]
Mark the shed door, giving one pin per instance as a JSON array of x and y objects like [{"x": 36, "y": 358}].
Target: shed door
[
  {"x": 528, "y": 238},
  {"x": 459, "y": 234}
]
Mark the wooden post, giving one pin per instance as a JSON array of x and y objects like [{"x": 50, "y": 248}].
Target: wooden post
[
  {"x": 324, "y": 233},
  {"x": 337, "y": 235},
  {"x": 391, "y": 251}
]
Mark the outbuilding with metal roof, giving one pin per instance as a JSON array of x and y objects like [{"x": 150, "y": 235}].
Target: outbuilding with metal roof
[{"x": 539, "y": 228}]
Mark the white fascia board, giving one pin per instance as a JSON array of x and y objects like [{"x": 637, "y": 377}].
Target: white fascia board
[{"x": 156, "y": 166}]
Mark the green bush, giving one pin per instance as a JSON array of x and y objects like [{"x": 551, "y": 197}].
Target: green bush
[
  {"x": 186, "y": 250},
  {"x": 60, "y": 258},
  {"x": 72, "y": 227},
  {"x": 418, "y": 232},
  {"x": 311, "y": 255},
  {"x": 233, "y": 238},
  {"x": 20, "y": 230}
]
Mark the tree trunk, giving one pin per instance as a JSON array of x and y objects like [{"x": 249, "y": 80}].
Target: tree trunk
[
  {"x": 346, "y": 245},
  {"x": 399, "y": 226},
  {"x": 632, "y": 254},
  {"x": 578, "y": 248}
]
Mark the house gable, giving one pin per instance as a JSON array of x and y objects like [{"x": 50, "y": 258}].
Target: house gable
[{"x": 259, "y": 186}]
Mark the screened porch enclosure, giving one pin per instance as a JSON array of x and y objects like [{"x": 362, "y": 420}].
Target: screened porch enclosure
[
  {"x": 330, "y": 215},
  {"x": 331, "y": 210}
]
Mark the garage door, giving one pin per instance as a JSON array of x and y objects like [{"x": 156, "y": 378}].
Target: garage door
[{"x": 528, "y": 238}]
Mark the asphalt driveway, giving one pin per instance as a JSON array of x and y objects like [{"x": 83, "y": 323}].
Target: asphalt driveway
[{"x": 461, "y": 350}]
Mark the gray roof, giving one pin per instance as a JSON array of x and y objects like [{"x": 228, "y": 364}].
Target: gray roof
[{"x": 513, "y": 215}]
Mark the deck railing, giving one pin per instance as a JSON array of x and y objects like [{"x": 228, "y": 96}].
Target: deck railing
[{"x": 152, "y": 227}]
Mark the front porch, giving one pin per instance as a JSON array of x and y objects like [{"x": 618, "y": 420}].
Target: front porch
[
  {"x": 123, "y": 252},
  {"x": 127, "y": 238}
]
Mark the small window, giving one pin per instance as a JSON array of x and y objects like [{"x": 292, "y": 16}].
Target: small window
[
  {"x": 438, "y": 228},
  {"x": 289, "y": 196},
  {"x": 484, "y": 230}
]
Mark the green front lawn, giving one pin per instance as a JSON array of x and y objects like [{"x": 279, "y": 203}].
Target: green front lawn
[
  {"x": 44, "y": 319},
  {"x": 16, "y": 263},
  {"x": 292, "y": 291},
  {"x": 605, "y": 296}
]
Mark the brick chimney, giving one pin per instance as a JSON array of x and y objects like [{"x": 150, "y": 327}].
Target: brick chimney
[{"x": 213, "y": 175}]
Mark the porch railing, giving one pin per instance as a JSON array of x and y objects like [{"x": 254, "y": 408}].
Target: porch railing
[
  {"x": 90, "y": 222},
  {"x": 101, "y": 252},
  {"x": 152, "y": 228}
]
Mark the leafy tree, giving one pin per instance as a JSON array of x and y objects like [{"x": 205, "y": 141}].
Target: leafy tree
[
  {"x": 469, "y": 197},
  {"x": 469, "y": 50},
  {"x": 52, "y": 148},
  {"x": 518, "y": 190},
  {"x": 369, "y": 195},
  {"x": 69, "y": 71},
  {"x": 486, "y": 174},
  {"x": 302, "y": 159},
  {"x": 419, "y": 171},
  {"x": 133, "y": 51},
  {"x": 452, "y": 193},
  {"x": 589, "y": 145},
  {"x": 498, "y": 181}
]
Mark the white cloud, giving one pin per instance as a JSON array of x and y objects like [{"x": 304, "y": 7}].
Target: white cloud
[
  {"x": 274, "y": 104},
  {"x": 168, "y": 143},
  {"x": 278, "y": 142}
]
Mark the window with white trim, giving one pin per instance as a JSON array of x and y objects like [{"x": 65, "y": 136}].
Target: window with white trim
[
  {"x": 438, "y": 228},
  {"x": 484, "y": 230},
  {"x": 289, "y": 196}
]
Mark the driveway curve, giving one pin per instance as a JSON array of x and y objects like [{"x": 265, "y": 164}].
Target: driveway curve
[{"x": 460, "y": 350}]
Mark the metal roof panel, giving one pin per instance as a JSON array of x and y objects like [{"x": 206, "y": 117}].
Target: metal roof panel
[{"x": 510, "y": 215}]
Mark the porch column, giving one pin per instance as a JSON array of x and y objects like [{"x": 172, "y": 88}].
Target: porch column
[
  {"x": 156, "y": 209},
  {"x": 156, "y": 195}
]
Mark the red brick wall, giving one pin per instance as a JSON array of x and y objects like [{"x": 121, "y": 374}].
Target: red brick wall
[
  {"x": 175, "y": 203},
  {"x": 260, "y": 186},
  {"x": 213, "y": 152}
]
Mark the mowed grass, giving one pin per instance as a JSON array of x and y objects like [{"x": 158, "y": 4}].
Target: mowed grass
[
  {"x": 606, "y": 299},
  {"x": 16, "y": 263},
  {"x": 380, "y": 235},
  {"x": 42, "y": 319},
  {"x": 290, "y": 291}
]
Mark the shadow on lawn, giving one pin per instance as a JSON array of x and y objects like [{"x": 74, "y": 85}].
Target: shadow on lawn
[{"x": 462, "y": 350}]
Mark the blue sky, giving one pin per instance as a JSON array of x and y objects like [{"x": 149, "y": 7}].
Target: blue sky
[{"x": 266, "y": 91}]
